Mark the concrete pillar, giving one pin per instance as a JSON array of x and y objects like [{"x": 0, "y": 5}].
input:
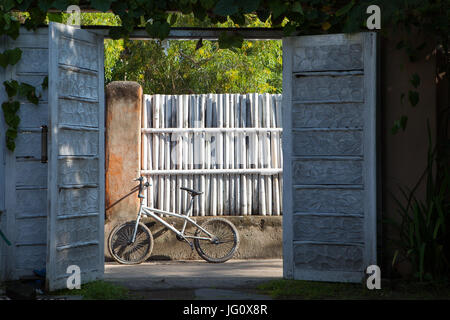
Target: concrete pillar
[{"x": 123, "y": 152}]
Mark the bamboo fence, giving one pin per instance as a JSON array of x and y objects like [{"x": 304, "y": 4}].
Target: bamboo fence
[{"x": 226, "y": 145}]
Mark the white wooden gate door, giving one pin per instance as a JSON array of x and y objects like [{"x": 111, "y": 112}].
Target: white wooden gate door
[
  {"x": 329, "y": 145},
  {"x": 76, "y": 155}
]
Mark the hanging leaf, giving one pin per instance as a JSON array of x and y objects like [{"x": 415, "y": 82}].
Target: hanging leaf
[
  {"x": 413, "y": 97},
  {"x": 44, "y": 84},
  {"x": 399, "y": 124},
  {"x": 7, "y": 4},
  {"x": 297, "y": 7},
  {"x": 10, "y": 57},
  {"x": 37, "y": 17},
  {"x": 11, "y": 87},
  {"x": 199, "y": 13},
  {"x": 10, "y": 136},
  {"x": 199, "y": 44},
  {"x": 289, "y": 28},
  {"x": 249, "y": 6},
  {"x": 238, "y": 19},
  {"x": 3, "y": 60},
  {"x": 101, "y": 5},
  {"x": 228, "y": 40},
  {"x": 158, "y": 29},
  {"x": 13, "y": 55},
  {"x": 225, "y": 8},
  {"x": 12, "y": 120},
  {"x": 118, "y": 33},
  {"x": 61, "y": 4},
  {"x": 44, "y": 5},
  {"x": 207, "y": 4},
  {"x": 345, "y": 9},
  {"x": 415, "y": 80},
  {"x": 10, "y": 107},
  {"x": 278, "y": 8}
]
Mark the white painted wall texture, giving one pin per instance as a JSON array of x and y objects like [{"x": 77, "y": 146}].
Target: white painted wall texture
[
  {"x": 25, "y": 218},
  {"x": 329, "y": 108},
  {"x": 55, "y": 229}
]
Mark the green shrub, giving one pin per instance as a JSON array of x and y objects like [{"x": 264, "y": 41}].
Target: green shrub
[{"x": 423, "y": 228}]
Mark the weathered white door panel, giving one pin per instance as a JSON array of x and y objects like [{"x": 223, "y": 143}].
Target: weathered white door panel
[
  {"x": 25, "y": 176},
  {"x": 76, "y": 157},
  {"x": 329, "y": 145}
]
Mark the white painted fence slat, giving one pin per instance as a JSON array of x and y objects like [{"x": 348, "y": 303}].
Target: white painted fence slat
[{"x": 226, "y": 145}]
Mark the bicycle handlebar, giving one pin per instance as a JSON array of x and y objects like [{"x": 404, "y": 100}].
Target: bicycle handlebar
[{"x": 141, "y": 185}]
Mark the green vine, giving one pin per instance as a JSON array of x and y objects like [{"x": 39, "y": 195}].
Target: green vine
[
  {"x": 300, "y": 16},
  {"x": 12, "y": 106}
]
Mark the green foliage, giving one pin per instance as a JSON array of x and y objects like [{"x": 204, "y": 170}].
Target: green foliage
[
  {"x": 424, "y": 223},
  {"x": 9, "y": 25},
  {"x": 413, "y": 97},
  {"x": 10, "y": 57},
  {"x": 158, "y": 29},
  {"x": 198, "y": 66},
  {"x": 101, "y": 5},
  {"x": 399, "y": 124},
  {"x": 415, "y": 80},
  {"x": 255, "y": 67},
  {"x": 11, "y": 107},
  {"x": 305, "y": 290},
  {"x": 97, "y": 290},
  {"x": 314, "y": 16},
  {"x": 229, "y": 40}
]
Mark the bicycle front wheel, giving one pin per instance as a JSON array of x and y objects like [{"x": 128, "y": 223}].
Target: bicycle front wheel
[
  {"x": 126, "y": 252},
  {"x": 224, "y": 243}
]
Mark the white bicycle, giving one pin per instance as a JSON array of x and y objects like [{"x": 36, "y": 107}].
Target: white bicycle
[{"x": 216, "y": 240}]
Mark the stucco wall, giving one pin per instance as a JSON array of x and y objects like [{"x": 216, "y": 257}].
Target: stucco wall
[
  {"x": 260, "y": 238},
  {"x": 403, "y": 155}
]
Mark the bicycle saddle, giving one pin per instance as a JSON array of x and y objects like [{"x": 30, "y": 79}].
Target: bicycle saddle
[{"x": 192, "y": 191}]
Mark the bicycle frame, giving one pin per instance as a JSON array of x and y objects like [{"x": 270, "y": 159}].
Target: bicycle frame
[{"x": 150, "y": 212}]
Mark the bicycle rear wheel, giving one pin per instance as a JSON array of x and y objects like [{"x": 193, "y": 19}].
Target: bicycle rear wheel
[
  {"x": 224, "y": 244},
  {"x": 125, "y": 252}
]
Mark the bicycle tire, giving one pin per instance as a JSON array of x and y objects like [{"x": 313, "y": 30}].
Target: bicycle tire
[
  {"x": 226, "y": 232},
  {"x": 125, "y": 252}
]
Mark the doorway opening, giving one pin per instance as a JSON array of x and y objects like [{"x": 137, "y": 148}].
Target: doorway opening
[{"x": 227, "y": 145}]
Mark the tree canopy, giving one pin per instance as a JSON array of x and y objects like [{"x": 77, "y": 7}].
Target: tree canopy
[{"x": 187, "y": 67}]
